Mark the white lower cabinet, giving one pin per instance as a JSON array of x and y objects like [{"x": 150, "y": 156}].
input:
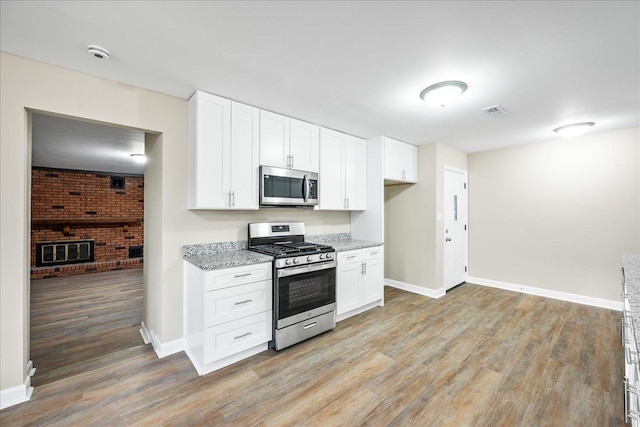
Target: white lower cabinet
[
  {"x": 228, "y": 314},
  {"x": 359, "y": 281}
]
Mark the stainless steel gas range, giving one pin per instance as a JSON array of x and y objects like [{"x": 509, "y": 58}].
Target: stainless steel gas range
[{"x": 304, "y": 281}]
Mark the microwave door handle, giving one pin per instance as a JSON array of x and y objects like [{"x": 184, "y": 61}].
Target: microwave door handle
[{"x": 305, "y": 189}]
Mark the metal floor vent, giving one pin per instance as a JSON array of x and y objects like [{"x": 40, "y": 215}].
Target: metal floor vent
[
  {"x": 494, "y": 110},
  {"x": 64, "y": 252}
]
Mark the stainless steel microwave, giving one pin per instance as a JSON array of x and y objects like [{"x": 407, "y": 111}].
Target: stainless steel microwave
[{"x": 287, "y": 187}]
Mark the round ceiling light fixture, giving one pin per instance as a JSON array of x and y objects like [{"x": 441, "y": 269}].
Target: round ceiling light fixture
[
  {"x": 574, "y": 129},
  {"x": 98, "y": 52},
  {"x": 139, "y": 158},
  {"x": 443, "y": 93}
]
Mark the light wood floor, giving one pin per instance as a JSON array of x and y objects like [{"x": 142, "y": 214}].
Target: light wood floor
[
  {"x": 478, "y": 356},
  {"x": 78, "y": 320}
]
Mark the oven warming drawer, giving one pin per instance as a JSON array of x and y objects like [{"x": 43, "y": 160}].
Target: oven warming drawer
[{"x": 293, "y": 334}]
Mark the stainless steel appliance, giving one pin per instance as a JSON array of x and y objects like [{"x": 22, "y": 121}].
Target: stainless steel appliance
[
  {"x": 304, "y": 281},
  {"x": 287, "y": 187}
]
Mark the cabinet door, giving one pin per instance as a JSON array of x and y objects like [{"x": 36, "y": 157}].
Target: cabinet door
[
  {"x": 245, "y": 156},
  {"x": 274, "y": 139},
  {"x": 349, "y": 287},
  {"x": 409, "y": 163},
  {"x": 305, "y": 146},
  {"x": 332, "y": 179},
  {"x": 209, "y": 156},
  {"x": 373, "y": 281},
  {"x": 356, "y": 173},
  {"x": 392, "y": 155}
]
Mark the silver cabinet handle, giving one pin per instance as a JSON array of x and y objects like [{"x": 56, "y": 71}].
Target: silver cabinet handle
[
  {"x": 242, "y": 275},
  {"x": 242, "y": 302},
  {"x": 309, "y": 326},
  {"x": 375, "y": 253},
  {"x": 242, "y": 336},
  {"x": 233, "y": 199},
  {"x": 630, "y": 414},
  {"x": 404, "y": 175},
  {"x": 448, "y": 239},
  {"x": 362, "y": 268},
  {"x": 291, "y": 161},
  {"x": 365, "y": 268},
  {"x": 229, "y": 199},
  {"x": 351, "y": 257},
  {"x": 347, "y": 203}
]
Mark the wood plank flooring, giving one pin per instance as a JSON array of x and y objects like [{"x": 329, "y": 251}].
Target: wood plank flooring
[
  {"x": 478, "y": 356},
  {"x": 78, "y": 321}
]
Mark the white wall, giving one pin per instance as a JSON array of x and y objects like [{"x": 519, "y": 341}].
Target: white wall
[
  {"x": 29, "y": 85},
  {"x": 557, "y": 215}
]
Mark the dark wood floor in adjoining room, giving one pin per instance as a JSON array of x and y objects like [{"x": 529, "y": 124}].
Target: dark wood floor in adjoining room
[
  {"x": 77, "y": 322},
  {"x": 478, "y": 356}
]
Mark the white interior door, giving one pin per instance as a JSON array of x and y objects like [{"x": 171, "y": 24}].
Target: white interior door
[{"x": 455, "y": 227}]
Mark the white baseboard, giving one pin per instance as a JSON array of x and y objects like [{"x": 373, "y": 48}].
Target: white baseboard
[
  {"x": 367, "y": 307},
  {"x": 161, "y": 349},
  {"x": 21, "y": 393},
  {"x": 564, "y": 296},
  {"x": 427, "y": 292}
]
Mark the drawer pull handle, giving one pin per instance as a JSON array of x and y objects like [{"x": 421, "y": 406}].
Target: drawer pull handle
[
  {"x": 242, "y": 275},
  {"x": 242, "y": 336},
  {"x": 374, "y": 253},
  {"x": 242, "y": 302},
  {"x": 309, "y": 326},
  {"x": 351, "y": 257}
]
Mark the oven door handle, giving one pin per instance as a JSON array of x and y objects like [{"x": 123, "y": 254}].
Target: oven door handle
[{"x": 284, "y": 272}]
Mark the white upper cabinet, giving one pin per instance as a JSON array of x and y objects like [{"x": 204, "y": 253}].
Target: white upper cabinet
[
  {"x": 400, "y": 161},
  {"x": 288, "y": 143},
  {"x": 305, "y": 146},
  {"x": 274, "y": 139},
  {"x": 343, "y": 171},
  {"x": 223, "y": 153}
]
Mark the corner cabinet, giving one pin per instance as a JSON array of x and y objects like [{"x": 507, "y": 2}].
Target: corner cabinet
[
  {"x": 224, "y": 150},
  {"x": 343, "y": 171},
  {"x": 227, "y": 314},
  {"x": 400, "y": 161},
  {"x": 288, "y": 143},
  {"x": 359, "y": 281}
]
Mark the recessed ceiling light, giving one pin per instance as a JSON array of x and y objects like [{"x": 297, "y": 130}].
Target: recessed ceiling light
[
  {"x": 574, "y": 129},
  {"x": 98, "y": 52},
  {"x": 140, "y": 158},
  {"x": 443, "y": 93}
]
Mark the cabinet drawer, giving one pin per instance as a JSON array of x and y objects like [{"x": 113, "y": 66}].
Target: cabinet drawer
[
  {"x": 373, "y": 253},
  {"x": 349, "y": 256},
  {"x": 237, "y": 276},
  {"x": 225, "y": 305},
  {"x": 233, "y": 337}
]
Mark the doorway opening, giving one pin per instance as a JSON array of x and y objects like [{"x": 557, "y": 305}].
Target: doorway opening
[{"x": 87, "y": 231}]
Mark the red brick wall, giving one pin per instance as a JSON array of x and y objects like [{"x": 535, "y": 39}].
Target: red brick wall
[{"x": 62, "y": 194}]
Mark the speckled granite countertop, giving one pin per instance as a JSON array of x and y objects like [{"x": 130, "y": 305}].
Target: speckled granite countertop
[
  {"x": 631, "y": 265},
  {"x": 342, "y": 241},
  {"x": 214, "y": 256}
]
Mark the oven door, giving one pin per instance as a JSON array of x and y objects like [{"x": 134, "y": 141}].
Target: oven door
[
  {"x": 287, "y": 187},
  {"x": 305, "y": 291}
]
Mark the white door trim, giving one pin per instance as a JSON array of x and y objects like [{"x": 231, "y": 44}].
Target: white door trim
[{"x": 466, "y": 208}]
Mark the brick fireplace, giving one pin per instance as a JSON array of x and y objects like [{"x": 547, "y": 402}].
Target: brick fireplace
[{"x": 77, "y": 206}]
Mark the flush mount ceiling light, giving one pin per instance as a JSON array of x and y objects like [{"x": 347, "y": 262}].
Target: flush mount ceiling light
[
  {"x": 98, "y": 52},
  {"x": 139, "y": 158},
  {"x": 443, "y": 93},
  {"x": 575, "y": 129}
]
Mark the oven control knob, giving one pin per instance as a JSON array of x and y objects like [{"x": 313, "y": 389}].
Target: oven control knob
[
  {"x": 287, "y": 262},
  {"x": 329, "y": 255},
  {"x": 309, "y": 258},
  {"x": 321, "y": 256},
  {"x": 296, "y": 261}
]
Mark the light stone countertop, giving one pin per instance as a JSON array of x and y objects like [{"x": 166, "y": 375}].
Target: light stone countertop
[
  {"x": 342, "y": 242},
  {"x": 631, "y": 265},
  {"x": 215, "y": 256}
]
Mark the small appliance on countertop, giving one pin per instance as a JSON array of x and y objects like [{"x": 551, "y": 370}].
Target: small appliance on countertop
[{"x": 304, "y": 281}]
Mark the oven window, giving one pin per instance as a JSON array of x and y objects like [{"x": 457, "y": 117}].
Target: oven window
[
  {"x": 283, "y": 187},
  {"x": 303, "y": 292}
]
